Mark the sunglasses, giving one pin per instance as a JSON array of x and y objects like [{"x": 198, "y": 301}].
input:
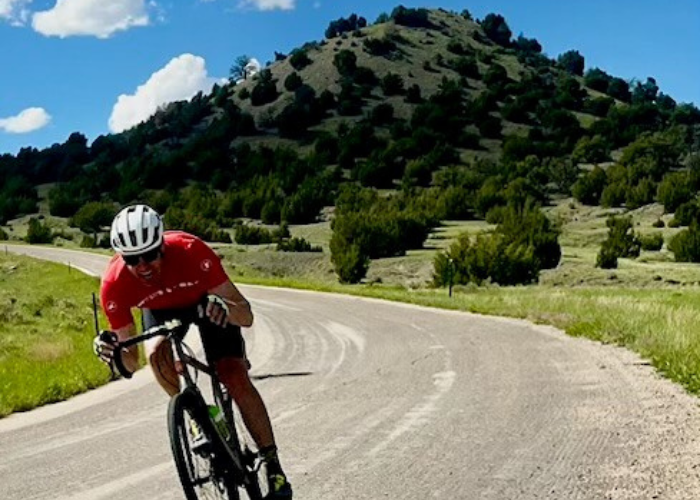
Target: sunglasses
[{"x": 147, "y": 257}]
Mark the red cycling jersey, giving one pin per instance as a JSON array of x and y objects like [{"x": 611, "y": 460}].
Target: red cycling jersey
[{"x": 189, "y": 268}]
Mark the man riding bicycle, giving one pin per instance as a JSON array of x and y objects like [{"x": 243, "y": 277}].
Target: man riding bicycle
[{"x": 169, "y": 275}]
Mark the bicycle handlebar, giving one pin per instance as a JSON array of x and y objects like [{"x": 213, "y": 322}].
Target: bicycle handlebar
[{"x": 165, "y": 330}]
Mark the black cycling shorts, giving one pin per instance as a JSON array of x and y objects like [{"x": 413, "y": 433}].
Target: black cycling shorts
[{"x": 219, "y": 342}]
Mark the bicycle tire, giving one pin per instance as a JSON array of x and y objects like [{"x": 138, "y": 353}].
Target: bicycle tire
[
  {"x": 213, "y": 476},
  {"x": 256, "y": 485}
]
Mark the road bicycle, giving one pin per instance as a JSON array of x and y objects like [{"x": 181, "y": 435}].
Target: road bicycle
[{"x": 214, "y": 459}]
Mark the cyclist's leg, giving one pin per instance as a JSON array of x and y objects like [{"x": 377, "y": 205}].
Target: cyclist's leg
[
  {"x": 158, "y": 351},
  {"x": 225, "y": 348}
]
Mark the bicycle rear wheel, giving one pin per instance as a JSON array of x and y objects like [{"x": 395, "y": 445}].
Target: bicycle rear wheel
[
  {"x": 255, "y": 484},
  {"x": 203, "y": 472}
]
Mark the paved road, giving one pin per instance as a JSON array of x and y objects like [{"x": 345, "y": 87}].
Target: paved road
[{"x": 374, "y": 400}]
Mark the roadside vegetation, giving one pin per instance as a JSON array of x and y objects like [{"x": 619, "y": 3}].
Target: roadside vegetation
[{"x": 46, "y": 332}]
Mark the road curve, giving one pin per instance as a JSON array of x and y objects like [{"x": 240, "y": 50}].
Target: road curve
[{"x": 374, "y": 400}]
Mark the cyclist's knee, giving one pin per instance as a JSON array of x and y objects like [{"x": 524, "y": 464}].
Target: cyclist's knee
[
  {"x": 161, "y": 362},
  {"x": 233, "y": 372}
]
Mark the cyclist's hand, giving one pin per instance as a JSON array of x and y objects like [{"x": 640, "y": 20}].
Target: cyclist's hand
[
  {"x": 214, "y": 308},
  {"x": 103, "y": 345}
]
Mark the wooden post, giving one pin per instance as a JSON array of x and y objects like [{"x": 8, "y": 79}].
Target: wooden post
[{"x": 450, "y": 273}]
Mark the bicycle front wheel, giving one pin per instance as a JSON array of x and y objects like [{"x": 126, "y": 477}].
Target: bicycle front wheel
[{"x": 203, "y": 473}]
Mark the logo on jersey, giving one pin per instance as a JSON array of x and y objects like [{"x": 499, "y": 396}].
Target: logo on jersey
[
  {"x": 111, "y": 306},
  {"x": 206, "y": 265}
]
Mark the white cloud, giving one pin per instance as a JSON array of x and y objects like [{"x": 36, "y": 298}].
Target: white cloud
[
  {"x": 14, "y": 11},
  {"x": 29, "y": 120},
  {"x": 98, "y": 18},
  {"x": 180, "y": 79},
  {"x": 268, "y": 4},
  {"x": 251, "y": 69}
]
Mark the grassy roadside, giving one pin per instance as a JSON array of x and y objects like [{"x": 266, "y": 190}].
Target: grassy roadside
[{"x": 46, "y": 328}]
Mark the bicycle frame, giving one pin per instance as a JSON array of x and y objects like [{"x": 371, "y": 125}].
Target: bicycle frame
[{"x": 184, "y": 362}]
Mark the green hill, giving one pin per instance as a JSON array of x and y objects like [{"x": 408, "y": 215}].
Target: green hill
[{"x": 436, "y": 117}]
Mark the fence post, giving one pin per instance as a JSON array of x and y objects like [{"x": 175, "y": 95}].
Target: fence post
[{"x": 450, "y": 273}]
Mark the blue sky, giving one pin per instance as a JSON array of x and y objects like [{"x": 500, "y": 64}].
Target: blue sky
[{"x": 77, "y": 65}]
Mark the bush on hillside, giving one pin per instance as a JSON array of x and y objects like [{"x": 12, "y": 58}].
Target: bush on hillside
[
  {"x": 412, "y": 18},
  {"x": 413, "y": 95},
  {"x": 607, "y": 256},
  {"x": 380, "y": 47},
  {"x": 382, "y": 114},
  {"x": 496, "y": 28},
  {"x": 265, "y": 90},
  {"x": 349, "y": 262},
  {"x": 343, "y": 25},
  {"x": 652, "y": 242},
  {"x": 523, "y": 243},
  {"x": 674, "y": 191},
  {"x": 686, "y": 244},
  {"x": 91, "y": 217},
  {"x": 299, "y": 59},
  {"x": 252, "y": 235},
  {"x": 38, "y": 232},
  {"x": 589, "y": 188},
  {"x": 572, "y": 61},
  {"x": 621, "y": 242},
  {"x": 466, "y": 66},
  {"x": 297, "y": 244},
  {"x": 293, "y": 82},
  {"x": 686, "y": 213},
  {"x": 392, "y": 84},
  {"x": 487, "y": 257}
]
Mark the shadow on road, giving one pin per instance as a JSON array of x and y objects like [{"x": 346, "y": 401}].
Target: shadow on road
[{"x": 278, "y": 375}]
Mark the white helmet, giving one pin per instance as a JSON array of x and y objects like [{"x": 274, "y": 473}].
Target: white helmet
[{"x": 136, "y": 229}]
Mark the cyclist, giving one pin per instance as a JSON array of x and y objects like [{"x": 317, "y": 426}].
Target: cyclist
[{"x": 167, "y": 274}]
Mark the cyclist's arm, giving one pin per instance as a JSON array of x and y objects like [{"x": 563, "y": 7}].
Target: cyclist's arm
[
  {"x": 239, "y": 309},
  {"x": 130, "y": 356}
]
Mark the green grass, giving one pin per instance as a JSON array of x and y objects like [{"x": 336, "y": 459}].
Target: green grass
[{"x": 46, "y": 330}]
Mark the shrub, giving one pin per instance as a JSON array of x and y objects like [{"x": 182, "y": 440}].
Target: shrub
[
  {"x": 412, "y": 18},
  {"x": 392, "y": 84},
  {"x": 686, "y": 213},
  {"x": 589, "y": 188},
  {"x": 523, "y": 243},
  {"x": 621, "y": 242},
  {"x": 659, "y": 223},
  {"x": 88, "y": 242},
  {"x": 299, "y": 59},
  {"x": 466, "y": 66},
  {"x": 3, "y": 235},
  {"x": 383, "y": 47},
  {"x": 674, "y": 191},
  {"x": 607, "y": 257},
  {"x": 293, "y": 82},
  {"x": 413, "y": 95},
  {"x": 244, "y": 94},
  {"x": 686, "y": 244},
  {"x": 252, "y": 235},
  {"x": 265, "y": 91},
  {"x": 297, "y": 245},
  {"x": 350, "y": 263},
  {"x": 652, "y": 242},
  {"x": 382, "y": 114},
  {"x": 92, "y": 216},
  {"x": 38, "y": 233}
]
